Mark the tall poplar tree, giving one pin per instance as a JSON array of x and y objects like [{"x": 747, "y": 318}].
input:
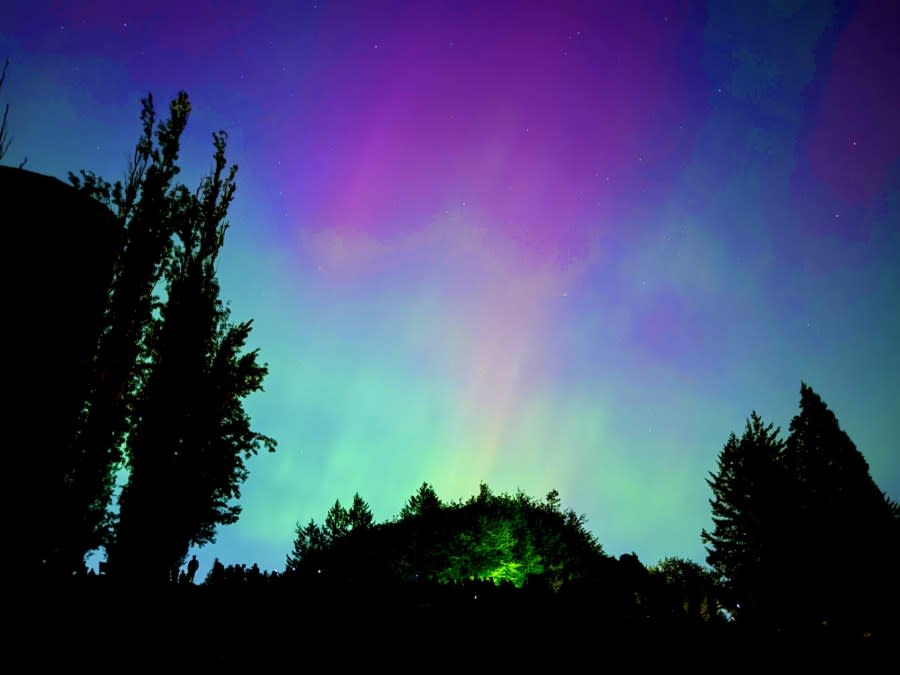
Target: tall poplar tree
[
  {"x": 190, "y": 435},
  {"x": 5, "y": 139},
  {"x": 142, "y": 203}
]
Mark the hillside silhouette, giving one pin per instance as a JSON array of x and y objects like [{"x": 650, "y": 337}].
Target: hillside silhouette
[{"x": 62, "y": 248}]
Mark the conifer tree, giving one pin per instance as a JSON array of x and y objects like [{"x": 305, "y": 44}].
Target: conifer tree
[
  {"x": 802, "y": 535},
  {"x": 424, "y": 503},
  {"x": 846, "y": 537},
  {"x": 310, "y": 544},
  {"x": 745, "y": 545},
  {"x": 359, "y": 515},
  {"x": 337, "y": 522}
]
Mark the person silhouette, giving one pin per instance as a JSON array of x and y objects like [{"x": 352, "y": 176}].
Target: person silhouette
[{"x": 193, "y": 566}]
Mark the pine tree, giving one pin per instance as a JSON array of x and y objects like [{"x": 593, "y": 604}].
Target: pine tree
[
  {"x": 337, "y": 522},
  {"x": 424, "y": 503},
  {"x": 746, "y": 543},
  {"x": 310, "y": 545},
  {"x": 803, "y": 536},
  {"x": 338, "y": 547},
  {"x": 359, "y": 515},
  {"x": 846, "y": 544}
]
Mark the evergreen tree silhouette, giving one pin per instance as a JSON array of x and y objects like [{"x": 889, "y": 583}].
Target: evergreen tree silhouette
[
  {"x": 360, "y": 515},
  {"x": 845, "y": 549},
  {"x": 423, "y": 503},
  {"x": 337, "y": 522},
  {"x": 339, "y": 546},
  {"x": 421, "y": 516},
  {"x": 803, "y": 537},
  {"x": 190, "y": 434},
  {"x": 746, "y": 543},
  {"x": 310, "y": 546}
]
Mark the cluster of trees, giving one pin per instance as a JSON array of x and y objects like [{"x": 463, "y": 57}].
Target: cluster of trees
[
  {"x": 500, "y": 537},
  {"x": 802, "y": 537},
  {"x": 801, "y": 533},
  {"x": 488, "y": 543},
  {"x": 158, "y": 388}
]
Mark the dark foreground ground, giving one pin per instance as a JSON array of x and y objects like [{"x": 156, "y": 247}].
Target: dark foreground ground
[{"x": 111, "y": 629}]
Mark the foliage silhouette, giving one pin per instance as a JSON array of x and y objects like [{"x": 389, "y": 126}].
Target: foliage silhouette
[
  {"x": 747, "y": 510},
  {"x": 846, "y": 530},
  {"x": 142, "y": 204},
  {"x": 360, "y": 515},
  {"x": 5, "y": 139},
  {"x": 684, "y": 590},
  {"x": 159, "y": 384},
  {"x": 79, "y": 242},
  {"x": 337, "y": 522},
  {"x": 802, "y": 536},
  {"x": 491, "y": 537},
  {"x": 190, "y": 435}
]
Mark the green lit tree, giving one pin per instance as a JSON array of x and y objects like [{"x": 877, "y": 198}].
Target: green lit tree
[{"x": 510, "y": 540}]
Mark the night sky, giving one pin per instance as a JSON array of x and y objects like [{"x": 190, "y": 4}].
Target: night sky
[{"x": 543, "y": 245}]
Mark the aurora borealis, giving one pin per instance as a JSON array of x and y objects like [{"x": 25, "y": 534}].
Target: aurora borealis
[{"x": 543, "y": 245}]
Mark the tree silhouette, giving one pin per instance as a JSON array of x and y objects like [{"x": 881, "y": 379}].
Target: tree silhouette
[
  {"x": 310, "y": 545},
  {"x": 802, "y": 535},
  {"x": 359, "y": 515},
  {"x": 190, "y": 435},
  {"x": 5, "y": 140},
  {"x": 846, "y": 529},
  {"x": 685, "y": 590},
  {"x": 94, "y": 450},
  {"x": 495, "y": 538},
  {"x": 424, "y": 502},
  {"x": 745, "y": 544},
  {"x": 337, "y": 522}
]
